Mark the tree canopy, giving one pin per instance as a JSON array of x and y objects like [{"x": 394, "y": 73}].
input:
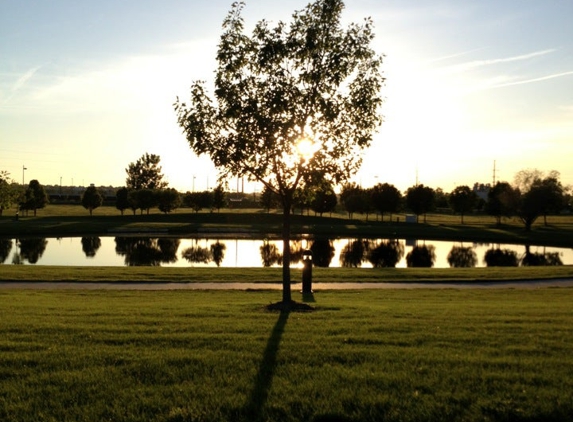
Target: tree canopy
[
  {"x": 145, "y": 173},
  {"x": 288, "y": 100},
  {"x": 91, "y": 199}
]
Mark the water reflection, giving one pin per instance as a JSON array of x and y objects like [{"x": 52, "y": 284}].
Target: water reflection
[
  {"x": 322, "y": 252},
  {"x": 31, "y": 249},
  {"x": 386, "y": 254},
  {"x": 167, "y": 251},
  {"x": 5, "y": 248},
  {"x": 462, "y": 257},
  {"x": 145, "y": 251},
  {"x": 501, "y": 258},
  {"x": 540, "y": 259},
  {"x": 422, "y": 256},
  {"x": 90, "y": 245}
]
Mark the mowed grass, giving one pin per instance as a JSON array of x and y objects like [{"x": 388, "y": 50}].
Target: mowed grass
[{"x": 392, "y": 355}]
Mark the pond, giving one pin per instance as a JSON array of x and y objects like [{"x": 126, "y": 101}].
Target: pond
[{"x": 203, "y": 252}]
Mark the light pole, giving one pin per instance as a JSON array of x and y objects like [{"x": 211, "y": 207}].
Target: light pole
[{"x": 23, "y": 170}]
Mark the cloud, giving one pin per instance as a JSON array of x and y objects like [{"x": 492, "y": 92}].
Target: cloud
[
  {"x": 533, "y": 80},
  {"x": 20, "y": 83},
  {"x": 462, "y": 67}
]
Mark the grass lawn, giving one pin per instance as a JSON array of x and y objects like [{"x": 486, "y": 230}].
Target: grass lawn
[{"x": 392, "y": 355}]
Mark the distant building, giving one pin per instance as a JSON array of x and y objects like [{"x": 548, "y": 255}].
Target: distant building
[{"x": 482, "y": 190}]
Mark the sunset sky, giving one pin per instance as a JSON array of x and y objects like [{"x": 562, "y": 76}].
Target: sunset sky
[{"x": 87, "y": 87}]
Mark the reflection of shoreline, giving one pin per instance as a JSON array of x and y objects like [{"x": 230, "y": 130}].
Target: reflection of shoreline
[{"x": 243, "y": 251}]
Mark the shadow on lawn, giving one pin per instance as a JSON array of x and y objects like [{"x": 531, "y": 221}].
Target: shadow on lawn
[{"x": 264, "y": 378}]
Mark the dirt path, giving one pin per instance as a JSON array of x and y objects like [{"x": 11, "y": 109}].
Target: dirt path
[{"x": 296, "y": 287}]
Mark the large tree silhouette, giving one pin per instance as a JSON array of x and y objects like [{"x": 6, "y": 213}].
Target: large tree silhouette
[{"x": 289, "y": 100}]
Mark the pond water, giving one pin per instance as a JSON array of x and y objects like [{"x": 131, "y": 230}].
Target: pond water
[{"x": 192, "y": 252}]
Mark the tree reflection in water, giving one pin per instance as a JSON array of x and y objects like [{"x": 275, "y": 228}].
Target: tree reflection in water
[
  {"x": 500, "y": 258},
  {"x": 386, "y": 254},
  {"x": 540, "y": 259},
  {"x": 354, "y": 253},
  {"x": 322, "y": 252},
  {"x": 218, "y": 252},
  {"x": 90, "y": 245},
  {"x": 421, "y": 256},
  {"x": 146, "y": 251},
  {"x": 270, "y": 254},
  {"x": 197, "y": 255},
  {"x": 31, "y": 249},
  {"x": 462, "y": 257},
  {"x": 5, "y": 248}
]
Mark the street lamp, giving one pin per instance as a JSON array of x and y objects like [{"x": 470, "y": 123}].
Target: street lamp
[{"x": 23, "y": 170}]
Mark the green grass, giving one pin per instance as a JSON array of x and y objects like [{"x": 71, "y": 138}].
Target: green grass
[
  {"x": 392, "y": 355},
  {"x": 274, "y": 275},
  {"x": 67, "y": 220}
]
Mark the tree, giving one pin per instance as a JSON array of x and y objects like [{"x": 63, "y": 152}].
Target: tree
[
  {"x": 323, "y": 199},
  {"x": 420, "y": 199},
  {"x": 502, "y": 201},
  {"x": 385, "y": 198},
  {"x": 269, "y": 199},
  {"x": 168, "y": 200},
  {"x": 34, "y": 198},
  {"x": 91, "y": 199},
  {"x": 552, "y": 196},
  {"x": 7, "y": 191},
  {"x": 219, "y": 197},
  {"x": 122, "y": 199},
  {"x": 143, "y": 199},
  {"x": 355, "y": 199},
  {"x": 463, "y": 200},
  {"x": 145, "y": 173},
  {"x": 288, "y": 100}
]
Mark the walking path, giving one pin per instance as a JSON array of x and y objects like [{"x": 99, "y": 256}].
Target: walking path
[{"x": 40, "y": 285}]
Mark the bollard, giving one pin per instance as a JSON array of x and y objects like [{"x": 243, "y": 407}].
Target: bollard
[{"x": 307, "y": 272}]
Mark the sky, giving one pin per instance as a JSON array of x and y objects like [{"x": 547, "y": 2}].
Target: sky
[{"x": 475, "y": 90}]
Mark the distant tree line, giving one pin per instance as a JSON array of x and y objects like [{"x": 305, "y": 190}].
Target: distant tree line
[{"x": 532, "y": 195}]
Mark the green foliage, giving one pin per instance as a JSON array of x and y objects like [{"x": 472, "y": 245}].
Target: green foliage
[
  {"x": 386, "y": 198},
  {"x": 502, "y": 201},
  {"x": 310, "y": 81},
  {"x": 34, "y": 198},
  {"x": 219, "y": 198},
  {"x": 323, "y": 199},
  {"x": 199, "y": 200},
  {"x": 354, "y": 199},
  {"x": 420, "y": 199},
  {"x": 122, "y": 201},
  {"x": 168, "y": 200},
  {"x": 8, "y": 191},
  {"x": 91, "y": 199},
  {"x": 145, "y": 173},
  {"x": 463, "y": 200}
]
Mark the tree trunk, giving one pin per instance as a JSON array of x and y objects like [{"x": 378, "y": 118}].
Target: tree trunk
[{"x": 286, "y": 253}]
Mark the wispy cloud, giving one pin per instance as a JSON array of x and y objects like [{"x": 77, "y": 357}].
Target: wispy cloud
[
  {"x": 462, "y": 67},
  {"x": 533, "y": 80},
  {"x": 20, "y": 83}
]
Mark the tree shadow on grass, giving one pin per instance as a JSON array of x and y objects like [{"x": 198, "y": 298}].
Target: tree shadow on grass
[{"x": 264, "y": 378}]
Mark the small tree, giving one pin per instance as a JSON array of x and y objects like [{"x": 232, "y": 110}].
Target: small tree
[
  {"x": 91, "y": 199},
  {"x": 122, "y": 199},
  {"x": 289, "y": 100},
  {"x": 35, "y": 197},
  {"x": 7, "y": 191},
  {"x": 324, "y": 199},
  {"x": 385, "y": 198},
  {"x": 420, "y": 199},
  {"x": 463, "y": 200},
  {"x": 269, "y": 199},
  {"x": 502, "y": 201},
  {"x": 219, "y": 197},
  {"x": 168, "y": 200},
  {"x": 145, "y": 173}
]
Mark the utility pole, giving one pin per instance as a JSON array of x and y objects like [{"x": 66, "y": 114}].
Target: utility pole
[{"x": 23, "y": 170}]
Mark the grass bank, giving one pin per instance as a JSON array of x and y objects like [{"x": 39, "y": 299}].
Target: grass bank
[
  {"x": 274, "y": 275},
  {"x": 66, "y": 220},
  {"x": 395, "y": 355}
]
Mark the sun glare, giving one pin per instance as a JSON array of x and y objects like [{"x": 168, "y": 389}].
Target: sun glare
[{"x": 306, "y": 148}]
